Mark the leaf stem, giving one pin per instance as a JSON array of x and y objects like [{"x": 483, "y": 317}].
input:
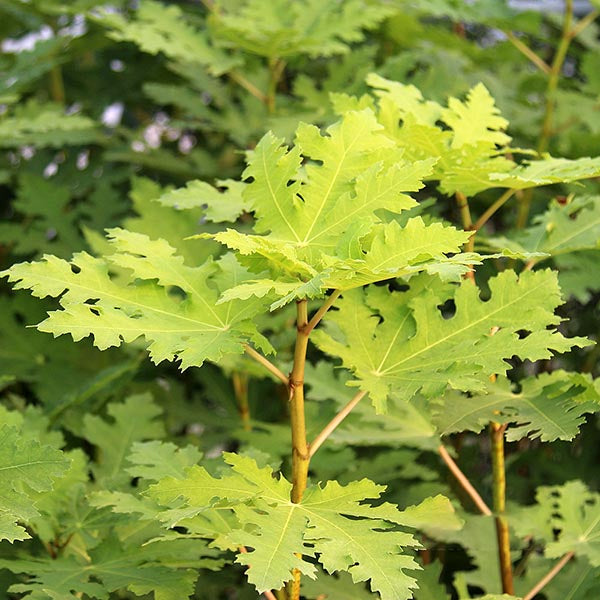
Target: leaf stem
[
  {"x": 240, "y": 389},
  {"x": 467, "y": 223},
  {"x": 539, "y": 62},
  {"x": 276, "y": 67},
  {"x": 464, "y": 481},
  {"x": 544, "y": 581},
  {"x": 57, "y": 86},
  {"x": 265, "y": 362},
  {"x": 324, "y": 308},
  {"x": 300, "y": 455},
  {"x": 551, "y": 88},
  {"x": 583, "y": 23},
  {"x": 485, "y": 217},
  {"x": 247, "y": 85},
  {"x": 499, "y": 493},
  {"x": 333, "y": 424}
]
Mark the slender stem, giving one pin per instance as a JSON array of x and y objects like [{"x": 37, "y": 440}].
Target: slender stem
[
  {"x": 321, "y": 312},
  {"x": 467, "y": 223},
  {"x": 557, "y": 63},
  {"x": 276, "y": 67},
  {"x": 265, "y": 362},
  {"x": 332, "y": 425},
  {"x": 300, "y": 455},
  {"x": 499, "y": 492},
  {"x": 543, "y": 582},
  {"x": 551, "y": 88},
  {"x": 240, "y": 389},
  {"x": 485, "y": 217},
  {"x": 465, "y": 211},
  {"x": 528, "y": 52},
  {"x": 247, "y": 85},
  {"x": 57, "y": 86},
  {"x": 583, "y": 23},
  {"x": 463, "y": 481}
]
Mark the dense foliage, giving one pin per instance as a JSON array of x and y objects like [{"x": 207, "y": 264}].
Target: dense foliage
[{"x": 333, "y": 272}]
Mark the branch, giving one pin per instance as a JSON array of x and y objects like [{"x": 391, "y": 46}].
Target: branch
[
  {"x": 583, "y": 23},
  {"x": 265, "y": 362},
  {"x": 247, "y": 85},
  {"x": 544, "y": 581},
  {"x": 528, "y": 52},
  {"x": 332, "y": 425},
  {"x": 499, "y": 488},
  {"x": 463, "y": 481},
  {"x": 485, "y": 217},
  {"x": 321, "y": 312}
]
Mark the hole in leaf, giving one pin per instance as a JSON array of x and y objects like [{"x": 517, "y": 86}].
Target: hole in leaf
[{"x": 447, "y": 309}]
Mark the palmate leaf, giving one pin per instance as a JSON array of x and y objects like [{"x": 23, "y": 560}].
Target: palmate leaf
[
  {"x": 330, "y": 523},
  {"x": 110, "y": 567},
  {"x": 24, "y": 464},
  {"x": 548, "y": 407},
  {"x": 318, "y": 224},
  {"x": 562, "y": 229},
  {"x": 45, "y": 125},
  {"x": 284, "y": 28},
  {"x": 417, "y": 349},
  {"x": 158, "y": 28},
  {"x": 566, "y": 517},
  {"x": 131, "y": 421},
  {"x": 170, "y": 304},
  {"x": 471, "y": 157}
]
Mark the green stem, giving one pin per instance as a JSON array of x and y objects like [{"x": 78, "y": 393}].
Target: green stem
[
  {"x": 464, "y": 482},
  {"x": 276, "y": 67},
  {"x": 544, "y": 581},
  {"x": 486, "y": 216},
  {"x": 240, "y": 389},
  {"x": 528, "y": 52},
  {"x": 467, "y": 223},
  {"x": 333, "y": 424},
  {"x": 247, "y": 85},
  {"x": 300, "y": 454},
  {"x": 265, "y": 362},
  {"x": 499, "y": 494},
  {"x": 551, "y": 89},
  {"x": 57, "y": 86}
]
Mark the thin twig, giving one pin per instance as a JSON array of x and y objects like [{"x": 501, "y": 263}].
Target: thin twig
[
  {"x": 528, "y": 52},
  {"x": 332, "y": 425},
  {"x": 321, "y": 312},
  {"x": 267, "y": 364},
  {"x": 247, "y": 85},
  {"x": 464, "y": 482},
  {"x": 544, "y": 581},
  {"x": 485, "y": 217},
  {"x": 583, "y": 23}
]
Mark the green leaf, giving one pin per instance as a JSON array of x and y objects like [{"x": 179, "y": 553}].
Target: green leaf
[
  {"x": 159, "y": 28},
  {"x": 283, "y": 28},
  {"x": 24, "y": 464},
  {"x": 131, "y": 421},
  {"x": 476, "y": 120},
  {"x": 45, "y": 125},
  {"x": 170, "y": 304},
  {"x": 549, "y": 407},
  {"x": 415, "y": 348},
  {"x": 330, "y": 522},
  {"x": 110, "y": 567},
  {"x": 218, "y": 206}
]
